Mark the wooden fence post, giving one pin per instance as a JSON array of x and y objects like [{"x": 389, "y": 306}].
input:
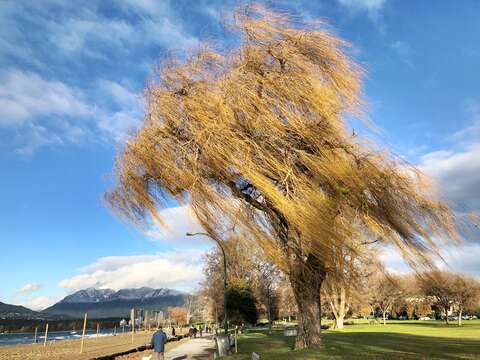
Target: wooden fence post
[
  {"x": 83, "y": 332},
  {"x": 35, "y": 338},
  {"x": 132, "y": 320},
  {"x": 46, "y": 335}
]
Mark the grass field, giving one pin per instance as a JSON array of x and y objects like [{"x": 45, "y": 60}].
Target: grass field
[{"x": 397, "y": 340}]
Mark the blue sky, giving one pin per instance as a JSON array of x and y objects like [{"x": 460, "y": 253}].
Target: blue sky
[{"x": 71, "y": 77}]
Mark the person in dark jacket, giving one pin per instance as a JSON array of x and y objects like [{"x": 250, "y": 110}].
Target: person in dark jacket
[{"x": 159, "y": 340}]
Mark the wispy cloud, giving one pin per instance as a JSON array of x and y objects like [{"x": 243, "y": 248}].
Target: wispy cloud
[
  {"x": 462, "y": 258},
  {"x": 404, "y": 52},
  {"x": 471, "y": 132},
  {"x": 40, "y": 112},
  {"x": 371, "y": 6},
  {"x": 31, "y": 287},
  {"x": 27, "y": 95},
  {"x": 64, "y": 92}
]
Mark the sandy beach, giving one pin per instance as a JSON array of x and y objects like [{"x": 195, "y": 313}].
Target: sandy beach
[{"x": 70, "y": 349}]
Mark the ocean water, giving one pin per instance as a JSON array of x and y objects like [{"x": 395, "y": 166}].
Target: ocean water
[{"x": 28, "y": 338}]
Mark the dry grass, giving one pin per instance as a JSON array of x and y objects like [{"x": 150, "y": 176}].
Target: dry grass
[{"x": 69, "y": 349}]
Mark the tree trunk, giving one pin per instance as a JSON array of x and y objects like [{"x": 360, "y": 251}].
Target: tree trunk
[
  {"x": 337, "y": 303},
  {"x": 341, "y": 308},
  {"x": 306, "y": 280},
  {"x": 269, "y": 316},
  {"x": 384, "y": 312},
  {"x": 460, "y": 318},
  {"x": 446, "y": 315},
  {"x": 339, "y": 322}
]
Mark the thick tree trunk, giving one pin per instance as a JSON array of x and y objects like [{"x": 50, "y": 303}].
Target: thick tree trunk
[
  {"x": 384, "y": 312},
  {"x": 306, "y": 280},
  {"x": 460, "y": 318},
  {"x": 446, "y": 316}
]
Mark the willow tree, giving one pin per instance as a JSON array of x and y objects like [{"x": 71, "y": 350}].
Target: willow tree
[{"x": 255, "y": 139}]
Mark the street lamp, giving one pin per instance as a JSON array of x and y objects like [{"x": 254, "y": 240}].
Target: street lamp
[{"x": 225, "y": 318}]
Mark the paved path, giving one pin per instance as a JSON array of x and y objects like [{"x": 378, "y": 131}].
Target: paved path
[{"x": 197, "y": 349}]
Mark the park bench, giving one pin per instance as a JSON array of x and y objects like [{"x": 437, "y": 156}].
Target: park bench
[{"x": 290, "y": 331}]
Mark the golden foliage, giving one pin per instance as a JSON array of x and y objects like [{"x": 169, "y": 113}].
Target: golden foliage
[{"x": 256, "y": 140}]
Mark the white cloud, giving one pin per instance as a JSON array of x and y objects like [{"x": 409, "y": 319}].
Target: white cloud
[
  {"x": 41, "y": 302},
  {"x": 31, "y": 287},
  {"x": 84, "y": 34},
  {"x": 52, "y": 111},
  {"x": 87, "y": 33},
  {"x": 393, "y": 260},
  {"x": 26, "y": 95},
  {"x": 180, "y": 269},
  {"x": 470, "y": 133},
  {"x": 457, "y": 168},
  {"x": 126, "y": 119},
  {"x": 146, "y": 6},
  {"x": 42, "y": 112},
  {"x": 179, "y": 221},
  {"x": 372, "y": 6},
  {"x": 457, "y": 174},
  {"x": 462, "y": 258}
]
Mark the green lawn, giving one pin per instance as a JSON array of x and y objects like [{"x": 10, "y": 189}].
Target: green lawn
[{"x": 397, "y": 340}]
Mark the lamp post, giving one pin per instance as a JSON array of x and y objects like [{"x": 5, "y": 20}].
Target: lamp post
[{"x": 225, "y": 317}]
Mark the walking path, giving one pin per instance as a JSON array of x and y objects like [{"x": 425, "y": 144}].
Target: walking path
[
  {"x": 198, "y": 349},
  {"x": 194, "y": 349}
]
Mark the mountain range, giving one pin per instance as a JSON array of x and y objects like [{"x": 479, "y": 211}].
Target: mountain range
[
  {"x": 106, "y": 303},
  {"x": 99, "y": 303},
  {"x": 8, "y": 311}
]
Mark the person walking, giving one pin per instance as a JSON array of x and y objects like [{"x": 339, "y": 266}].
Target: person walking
[{"x": 159, "y": 339}]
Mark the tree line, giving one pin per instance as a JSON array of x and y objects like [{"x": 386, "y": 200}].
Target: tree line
[{"x": 364, "y": 289}]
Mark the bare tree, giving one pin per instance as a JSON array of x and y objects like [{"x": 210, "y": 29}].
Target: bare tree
[
  {"x": 441, "y": 287},
  {"x": 287, "y": 305},
  {"x": 255, "y": 139},
  {"x": 191, "y": 305},
  {"x": 268, "y": 277},
  {"x": 385, "y": 293},
  {"x": 467, "y": 293},
  {"x": 345, "y": 282}
]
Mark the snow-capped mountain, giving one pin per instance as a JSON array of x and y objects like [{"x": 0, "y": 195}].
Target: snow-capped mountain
[
  {"x": 102, "y": 303},
  {"x": 89, "y": 295}
]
